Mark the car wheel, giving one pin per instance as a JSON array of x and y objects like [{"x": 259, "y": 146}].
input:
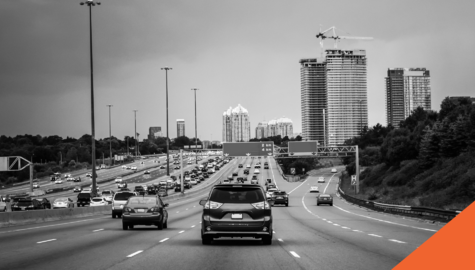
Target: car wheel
[
  {"x": 131, "y": 227},
  {"x": 160, "y": 225},
  {"x": 114, "y": 215},
  {"x": 331, "y": 204},
  {"x": 267, "y": 240},
  {"x": 287, "y": 204},
  {"x": 206, "y": 240},
  {"x": 166, "y": 224},
  {"x": 318, "y": 204},
  {"x": 125, "y": 227}
]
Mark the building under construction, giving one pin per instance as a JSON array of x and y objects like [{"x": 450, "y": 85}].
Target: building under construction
[{"x": 334, "y": 96}]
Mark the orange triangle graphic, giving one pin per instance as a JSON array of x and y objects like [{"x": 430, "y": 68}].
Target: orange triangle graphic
[{"x": 452, "y": 247}]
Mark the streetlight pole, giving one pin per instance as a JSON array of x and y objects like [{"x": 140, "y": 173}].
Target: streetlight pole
[
  {"x": 196, "y": 130},
  {"x": 168, "y": 147},
  {"x": 90, "y": 4},
  {"x": 110, "y": 136},
  {"x": 135, "y": 116}
]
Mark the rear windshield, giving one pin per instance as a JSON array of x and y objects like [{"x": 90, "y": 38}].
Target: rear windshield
[
  {"x": 123, "y": 196},
  {"x": 106, "y": 192},
  {"x": 97, "y": 200},
  {"x": 142, "y": 201},
  {"x": 325, "y": 196},
  {"x": 84, "y": 195},
  {"x": 279, "y": 193},
  {"x": 237, "y": 195}
]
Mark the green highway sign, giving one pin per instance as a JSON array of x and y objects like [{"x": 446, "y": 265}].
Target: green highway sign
[
  {"x": 249, "y": 149},
  {"x": 303, "y": 148}
]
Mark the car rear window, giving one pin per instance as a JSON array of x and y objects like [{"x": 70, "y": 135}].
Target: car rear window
[
  {"x": 142, "y": 201},
  {"x": 279, "y": 193},
  {"x": 237, "y": 195},
  {"x": 325, "y": 196},
  {"x": 106, "y": 192},
  {"x": 123, "y": 196},
  {"x": 84, "y": 195},
  {"x": 97, "y": 200}
]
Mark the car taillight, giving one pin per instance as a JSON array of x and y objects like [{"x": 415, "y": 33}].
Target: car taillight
[
  {"x": 128, "y": 210},
  {"x": 154, "y": 210},
  {"x": 212, "y": 205},
  {"x": 261, "y": 205}
]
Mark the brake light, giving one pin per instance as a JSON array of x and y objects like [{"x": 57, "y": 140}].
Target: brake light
[
  {"x": 261, "y": 205},
  {"x": 128, "y": 210},
  {"x": 212, "y": 205},
  {"x": 154, "y": 210}
]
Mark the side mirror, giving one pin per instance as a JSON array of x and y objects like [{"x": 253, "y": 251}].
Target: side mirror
[
  {"x": 203, "y": 201},
  {"x": 166, "y": 205}
]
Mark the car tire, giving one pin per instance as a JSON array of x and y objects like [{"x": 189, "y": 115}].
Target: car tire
[
  {"x": 125, "y": 227},
  {"x": 206, "y": 240},
  {"x": 165, "y": 225},
  {"x": 318, "y": 204},
  {"x": 160, "y": 226},
  {"x": 131, "y": 227},
  {"x": 113, "y": 215},
  {"x": 267, "y": 240},
  {"x": 287, "y": 204},
  {"x": 331, "y": 204}
]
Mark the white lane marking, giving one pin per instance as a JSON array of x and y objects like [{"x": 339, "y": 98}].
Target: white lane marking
[
  {"x": 329, "y": 221},
  {"x": 390, "y": 222},
  {"x": 336, "y": 224},
  {"x": 357, "y": 231},
  {"x": 298, "y": 185},
  {"x": 397, "y": 241},
  {"x": 163, "y": 240},
  {"x": 181, "y": 231},
  {"x": 135, "y": 253},
  {"x": 192, "y": 226},
  {"x": 345, "y": 228},
  {"x": 280, "y": 240},
  {"x": 98, "y": 230},
  {"x": 328, "y": 184},
  {"x": 40, "y": 227},
  {"x": 375, "y": 235},
  {"x": 49, "y": 240},
  {"x": 294, "y": 254}
]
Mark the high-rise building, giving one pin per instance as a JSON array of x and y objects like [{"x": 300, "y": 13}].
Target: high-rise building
[
  {"x": 261, "y": 130},
  {"x": 282, "y": 126},
  {"x": 334, "y": 96},
  {"x": 236, "y": 125},
  {"x": 180, "y": 127},
  {"x": 406, "y": 89},
  {"x": 154, "y": 132},
  {"x": 206, "y": 144}
]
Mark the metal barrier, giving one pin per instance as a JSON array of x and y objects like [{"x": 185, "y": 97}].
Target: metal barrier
[{"x": 401, "y": 209}]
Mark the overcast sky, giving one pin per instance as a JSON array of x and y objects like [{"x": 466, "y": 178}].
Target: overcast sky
[{"x": 235, "y": 52}]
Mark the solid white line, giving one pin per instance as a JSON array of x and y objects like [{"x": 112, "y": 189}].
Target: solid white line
[
  {"x": 192, "y": 226},
  {"x": 298, "y": 185},
  {"x": 397, "y": 241},
  {"x": 135, "y": 253},
  {"x": 163, "y": 240},
  {"x": 40, "y": 227},
  {"x": 41, "y": 242},
  {"x": 375, "y": 235},
  {"x": 294, "y": 254},
  {"x": 328, "y": 184},
  {"x": 98, "y": 230},
  {"x": 181, "y": 232},
  {"x": 280, "y": 240}
]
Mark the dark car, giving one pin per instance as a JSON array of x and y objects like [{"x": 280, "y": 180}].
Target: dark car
[
  {"x": 241, "y": 179},
  {"x": 201, "y": 178},
  {"x": 77, "y": 179},
  {"x": 216, "y": 168},
  {"x": 236, "y": 211},
  {"x": 240, "y": 166},
  {"x": 45, "y": 203},
  {"x": 25, "y": 204},
  {"x": 77, "y": 189},
  {"x": 139, "y": 189},
  {"x": 173, "y": 177},
  {"x": 84, "y": 198},
  {"x": 151, "y": 190},
  {"x": 144, "y": 210},
  {"x": 205, "y": 175},
  {"x": 246, "y": 171},
  {"x": 325, "y": 199},
  {"x": 280, "y": 197}
]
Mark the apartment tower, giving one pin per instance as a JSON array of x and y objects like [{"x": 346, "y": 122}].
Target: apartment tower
[
  {"x": 180, "y": 128},
  {"x": 236, "y": 125}
]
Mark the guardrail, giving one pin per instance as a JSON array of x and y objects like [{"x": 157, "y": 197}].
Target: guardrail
[{"x": 426, "y": 212}]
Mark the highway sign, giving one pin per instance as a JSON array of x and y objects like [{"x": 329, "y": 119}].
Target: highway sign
[
  {"x": 249, "y": 149},
  {"x": 292, "y": 170},
  {"x": 353, "y": 180},
  {"x": 307, "y": 148}
]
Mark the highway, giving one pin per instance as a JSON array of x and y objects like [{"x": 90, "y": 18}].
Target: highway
[{"x": 342, "y": 236}]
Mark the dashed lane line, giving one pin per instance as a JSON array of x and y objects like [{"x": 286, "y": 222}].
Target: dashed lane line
[
  {"x": 53, "y": 225},
  {"x": 397, "y": 241},
  {"x": 163, "y": 240},
  {"x": 324, "y": 191},
  {"x": 49, "y": 240},
  {"x": 375, "y": 235},
  {"x": 280, "y": 240},
  {"x": 135, "y": 253},
  {"x": 294, "y": 254},
  {"x": 98, "y": 230},
  {"x": 192, "y": 226},
  {"x": 181, "y": 231}
]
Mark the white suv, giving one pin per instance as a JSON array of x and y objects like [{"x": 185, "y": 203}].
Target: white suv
[{"x": 118, "y": 180}]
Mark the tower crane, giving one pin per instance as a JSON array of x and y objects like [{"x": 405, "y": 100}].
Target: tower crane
[{"x": 323, "y": 35}]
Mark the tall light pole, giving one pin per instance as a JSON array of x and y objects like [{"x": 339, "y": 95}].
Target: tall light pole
[
  {"x": 135, "y": 116},
  {"x": 168, "y": 147},
  {"x": 110, "y": 136},
  {"x": 196, "y": 130},
  {"x": 90, "y": 4}
]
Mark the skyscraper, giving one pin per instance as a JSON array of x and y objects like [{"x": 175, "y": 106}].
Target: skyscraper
[
  {"x": 180, "y": 127},
  {"x": 333, "y": 96},
  {"x": 236, "y": 125},
  {"x": 406, "y": 89},
  {"x": 261, "y": 130},
  {"x": 154, "y": 132}
]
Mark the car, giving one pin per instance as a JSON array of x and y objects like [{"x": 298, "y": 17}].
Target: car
[
  {"x": 98, "y": 201},
  {"x": 119, "y": 200},
  {"x": 257, "y": 166},
  {"x": 248, "y": 166},
  {"x": 256, "y": 171},
  {"x": 177, "y": 167},
  {"x": 97, "y": 187},
  {"x": 88, "y": 174},
  {"x": 216, "y": 168},
  {"x": 254, "y": 181},
  {"x": 36, "y": 185},
  {"x": 269, "y": 186},
  {"x": 145, "y": 210},
  {"x": 146, "y": 172},
  {"x": 270, "y": 191},
  {"x": 58, "y": 181},
  {"x": 236, "y": 211},
  {"x": 314, "y": 189},
  {"x": 246, "y": 171},
  {"x": 3, "y": 204},
  {"x": 193, "y": 181},
  {"x": 162, "y": 167},
  {"x": 151, "y": 190},
  {"x": 321, "y": 180},
  {"x": 268, "y": 181},
  {"x": 77, "y": 179},
  {"x": 70, "y": 179},
  {"x": 122, "y": 185},
  {"x": 162, "y": 184},
  {"x": 124, "y": 167},
  {"x": 280, "y": 197},
  {"x": 201, "y": 178},
  {"x": 118, "y": 179},
  {"x": 63, "y": 202},
  {"x": 25, "y": 204},
  {"x": 334, "y": 170},
  {"x": 107, "y": 195},
  {"x": 325, "y": 199},
  {"x": 254, "y": 177},
  {"x": 173, "y": 177},
  {"x": 77, "y": 189},
  {"x": 170, "y": 184},
  {"x": 139, "y": 189},
  {"x": 266, "y": 167},
  {"x": 241, "y": 179},
  {"x": 86, "y": 190},
  {"x": 67, "y": 175},
  {"x": 83, "y": 199},
  {"x": 162, "y": 192},
  {"x": 45, "y": 203},
  {"x": 133, "y": 168}
]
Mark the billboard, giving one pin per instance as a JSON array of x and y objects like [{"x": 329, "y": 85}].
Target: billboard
[{"x": 307, "y": 148}]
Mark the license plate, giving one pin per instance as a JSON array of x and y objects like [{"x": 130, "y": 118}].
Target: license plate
[
  {"x": 141, "y": 210},
  {"x": 236, "y": 216},
  {"x": 279, "y": 198}
]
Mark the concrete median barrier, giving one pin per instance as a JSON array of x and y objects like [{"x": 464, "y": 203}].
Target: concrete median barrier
[{"x": 39, "y": 216}]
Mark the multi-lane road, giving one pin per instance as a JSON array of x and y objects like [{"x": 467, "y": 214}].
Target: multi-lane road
[{"x": 342, "y": 236}]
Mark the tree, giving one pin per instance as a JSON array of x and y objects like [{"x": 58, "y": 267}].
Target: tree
[
  {"x": 72, "y": 154},
  {"x": 429, "y": 148}
]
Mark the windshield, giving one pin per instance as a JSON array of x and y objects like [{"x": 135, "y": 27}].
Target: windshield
[
  {"x": 97, "y": 200},
  {"x": 84, "y": 195},
  {"x": 108, "y": 192},
  {"x": 233, "y": 195},
  {"x": 61, "y": 200},
  {"x": 123, "y": 196}
]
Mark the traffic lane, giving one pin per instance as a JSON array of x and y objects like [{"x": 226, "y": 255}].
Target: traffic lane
[
  {"x": 106, "y": 242},
  {"x": 323, "y": 246}
]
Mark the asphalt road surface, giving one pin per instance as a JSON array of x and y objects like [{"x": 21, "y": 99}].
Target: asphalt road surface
[{"x": 342, "y": 236}]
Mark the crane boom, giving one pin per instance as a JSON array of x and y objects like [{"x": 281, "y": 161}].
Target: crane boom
[{"x": 321, "y": 35}]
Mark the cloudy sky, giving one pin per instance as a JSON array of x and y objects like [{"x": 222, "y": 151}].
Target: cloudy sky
[{"x": 236, "y": 52}]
